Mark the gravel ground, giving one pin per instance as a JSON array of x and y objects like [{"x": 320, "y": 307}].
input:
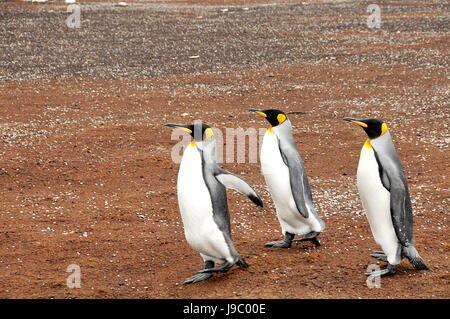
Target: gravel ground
[
  {"x": 161, "y": 37},
  {"x": 85, "y": 170}
]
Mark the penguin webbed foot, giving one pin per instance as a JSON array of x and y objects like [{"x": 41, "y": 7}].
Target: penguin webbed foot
[
  {"x": 222, "y": 268},
  {"x": 197, "y": 278},
  {"x": 280, "y": 244},
  {"x": 312, "y": 237},
  {"x": 285, "y": 243},
  {"x": 200, "y": 276},
  {"x": 390, "y": 270},
  {"x": 379, "y": 255},
  {"x": 242, "y": 263}
]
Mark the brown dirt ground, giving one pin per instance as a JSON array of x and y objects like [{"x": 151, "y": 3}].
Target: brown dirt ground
[{"x": 86, "y": 175}]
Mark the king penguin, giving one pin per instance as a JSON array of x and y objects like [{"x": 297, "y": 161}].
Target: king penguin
[
  {"x": 384, "y": 193},
  {"x": 202, "y": 199},
  {"x": 285, "y": 176}
]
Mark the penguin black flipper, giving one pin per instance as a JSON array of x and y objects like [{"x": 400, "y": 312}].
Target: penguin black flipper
[
  {"x": 393, "y": 179},
  {"x": 298, "y": 179},
  {"x": 229, "y": 180}
]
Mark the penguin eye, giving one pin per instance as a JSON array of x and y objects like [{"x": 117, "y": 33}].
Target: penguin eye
[{"x": 281, "y": 118}]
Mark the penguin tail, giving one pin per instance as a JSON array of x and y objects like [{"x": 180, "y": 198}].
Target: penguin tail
[{"x": 414, "y": 258}]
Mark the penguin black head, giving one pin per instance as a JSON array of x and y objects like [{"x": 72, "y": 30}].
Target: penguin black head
[
  {"x": 199, "y": 131},
  {"x": 275, "y": 117},
  {"x": 373, "y": 127}
]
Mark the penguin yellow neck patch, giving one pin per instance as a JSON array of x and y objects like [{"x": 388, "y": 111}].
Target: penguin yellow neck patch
[
  {"x": 269, "y": 130},
  {"x": 192, "y": 144},
  {"x": 367, "y": 144}
]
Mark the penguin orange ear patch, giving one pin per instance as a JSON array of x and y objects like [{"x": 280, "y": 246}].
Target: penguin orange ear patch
[
  {"x": 208, "y": 133},
  {"x": 383, "y": 128},
  {"x": 281, "y": 118}
]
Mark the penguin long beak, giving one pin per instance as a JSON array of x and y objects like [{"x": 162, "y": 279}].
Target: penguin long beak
[
  {"x": 180, "y": 126},
  {"x": 356, "y": 121},
  {"x": 260, "y": 112}
]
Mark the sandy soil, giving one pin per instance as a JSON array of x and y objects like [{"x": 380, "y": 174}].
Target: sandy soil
[{"x": 86, "y": 175}]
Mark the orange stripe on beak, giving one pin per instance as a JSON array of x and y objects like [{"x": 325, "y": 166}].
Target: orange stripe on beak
[
  {"x": 184, "y": 129},
  {"x": 360, "y": 123}
]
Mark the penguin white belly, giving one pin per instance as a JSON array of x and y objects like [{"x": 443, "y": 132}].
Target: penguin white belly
[
  {"x": 276, "y": 175},
  {"x": 376, "y": 203},
  {"x": 194, "y": 200}
]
